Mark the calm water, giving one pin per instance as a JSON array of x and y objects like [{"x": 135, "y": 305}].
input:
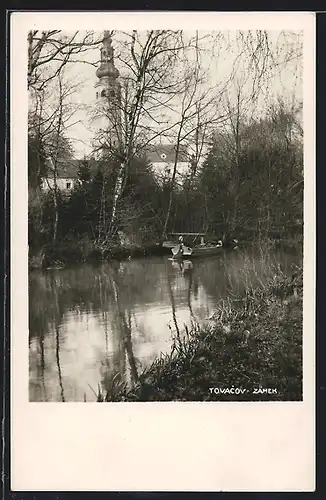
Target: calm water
[{"x": 91, "y": 324}]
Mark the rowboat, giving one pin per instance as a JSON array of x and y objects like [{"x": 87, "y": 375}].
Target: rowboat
[
  {"x": 208, "y": 250},
  {"x": 184, "y": 252},
  {"x": 177, "y": 238}
]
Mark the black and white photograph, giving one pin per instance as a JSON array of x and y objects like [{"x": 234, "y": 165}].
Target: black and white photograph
[
  {"x": 165, "y": 215},
  {"x": 162, "y": 211}
]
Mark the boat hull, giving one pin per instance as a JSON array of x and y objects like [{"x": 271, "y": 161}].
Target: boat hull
[
  {"x": 197, "y": 252},
  {"x": 203, "y": 252}
]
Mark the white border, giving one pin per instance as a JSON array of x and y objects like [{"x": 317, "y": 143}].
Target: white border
[{"x": 156, "y": 446}]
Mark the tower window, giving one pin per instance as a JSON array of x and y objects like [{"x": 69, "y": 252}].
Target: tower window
[
  {"x": 96, "y": 95},
  {"x": 103, "y": 93},
  {"x": 68, "y": 185}
]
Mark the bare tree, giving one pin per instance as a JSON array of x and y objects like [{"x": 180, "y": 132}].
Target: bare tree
[
  {"x": 148, "y": 60},
  {"x": 198, "y": 112},
  {"x": 163, "y": 95},
  {"x": 50, "y": 51},
  {"x": 50, "y": 120}
]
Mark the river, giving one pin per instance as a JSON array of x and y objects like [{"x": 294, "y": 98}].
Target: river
[{"x": 90, "y": 326}]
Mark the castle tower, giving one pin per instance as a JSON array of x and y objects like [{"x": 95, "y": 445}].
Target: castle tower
[{"x": 108, "y": 97}]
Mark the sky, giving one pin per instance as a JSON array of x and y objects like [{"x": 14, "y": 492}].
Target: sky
[{"x": 219, "y": 53}]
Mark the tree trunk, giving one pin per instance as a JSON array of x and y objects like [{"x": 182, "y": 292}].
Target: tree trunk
[
  {"x": 168, "y": 213},
  {"x": 118, "y": 189},
  {"x": 56, "y": 211}
]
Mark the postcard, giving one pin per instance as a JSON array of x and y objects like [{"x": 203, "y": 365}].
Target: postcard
[{"x": 163, "y": 251}]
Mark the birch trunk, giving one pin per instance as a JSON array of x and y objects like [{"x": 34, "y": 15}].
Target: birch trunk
[{"x": 118, "y": 190}]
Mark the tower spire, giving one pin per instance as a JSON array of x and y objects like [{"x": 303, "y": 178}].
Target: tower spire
[
  {"x": 107, "y": 70},
  {"x": 108, "y": 95}
]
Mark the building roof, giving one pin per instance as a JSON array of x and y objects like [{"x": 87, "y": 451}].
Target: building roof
[
  {"x": 161, "y": 153},
  {"x": 68, "y": 169},
  {"x": 165, "y": 153}
]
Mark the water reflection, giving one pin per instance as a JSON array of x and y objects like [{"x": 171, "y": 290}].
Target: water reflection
[{"x": 95, "y": 326}]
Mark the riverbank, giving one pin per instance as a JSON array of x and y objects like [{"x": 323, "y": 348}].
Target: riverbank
[
  {"x": 74, "y": 252},
  {"x": 67, "y": 255},
  {"x": 250, "y": 350}
]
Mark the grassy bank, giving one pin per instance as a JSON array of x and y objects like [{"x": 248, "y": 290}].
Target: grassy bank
[
  {"x": 68, "y": 254},
  {"x": 252, "y": 343}
]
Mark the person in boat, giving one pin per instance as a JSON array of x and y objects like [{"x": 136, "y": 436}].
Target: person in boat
[{"x": 181, "y": 248}]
